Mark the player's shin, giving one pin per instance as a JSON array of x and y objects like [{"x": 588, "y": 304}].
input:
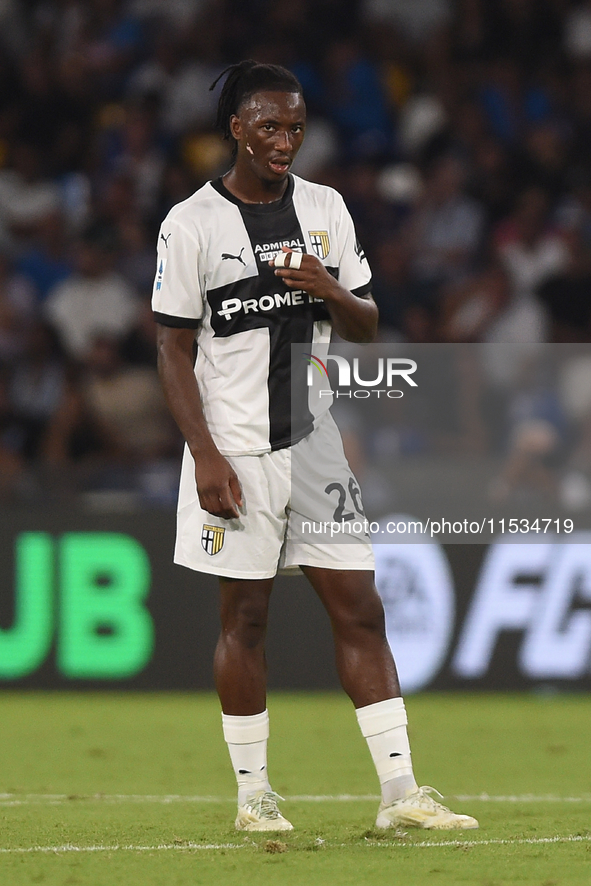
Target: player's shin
[
  {"x": 246, "y": 738},
  {"x": 384, "y": 727}
]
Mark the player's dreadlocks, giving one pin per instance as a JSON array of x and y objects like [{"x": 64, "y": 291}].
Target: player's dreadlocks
[{"x": 243, "y": 80}]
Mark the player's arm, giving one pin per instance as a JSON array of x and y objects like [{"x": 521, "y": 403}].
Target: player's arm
[
  {"x": 217, "y": 484},
  {"x": 354, "y": 318}
]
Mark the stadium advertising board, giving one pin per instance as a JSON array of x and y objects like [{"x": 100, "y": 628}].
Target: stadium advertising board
[
  {"x": 522, "y": 619},
  {"x": 94, "y": 601}
]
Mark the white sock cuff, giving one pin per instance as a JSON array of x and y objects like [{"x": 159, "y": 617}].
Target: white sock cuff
[
  {"x": 246, "y": 730},
  {"x": 376, "y": 718}
]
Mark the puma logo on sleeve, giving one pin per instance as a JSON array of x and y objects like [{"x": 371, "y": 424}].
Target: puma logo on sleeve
[{"x": 227, "y": 255}]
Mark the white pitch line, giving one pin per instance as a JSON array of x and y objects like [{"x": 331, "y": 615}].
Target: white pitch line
[
  {"x": 529, "y": 841},
  {"x": 332, "y": 798},
  {"x": 424, "y": 844},
  {"x": 116, "y": 848},
  {"x": 55, "y": 799},
  {"x": 51, "y": 799},
  {"x": 520, "y": 798}
]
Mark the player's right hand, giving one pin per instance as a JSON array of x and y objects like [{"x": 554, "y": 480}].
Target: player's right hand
[{"x": 218, "y": 487}]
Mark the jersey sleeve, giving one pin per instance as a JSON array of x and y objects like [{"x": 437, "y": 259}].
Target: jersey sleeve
[
  {"x": 177, "y": 299},
  {"x": 354, "y": 270}
]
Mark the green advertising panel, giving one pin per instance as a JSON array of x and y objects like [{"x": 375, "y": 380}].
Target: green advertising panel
[
  {"x": 90, "y": 586},
  {"x": 24, "y": 646},
  {"x": 105, "y": 629}
]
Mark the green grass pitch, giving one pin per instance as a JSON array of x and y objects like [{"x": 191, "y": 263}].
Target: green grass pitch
[{"x": 109, "y": 789}]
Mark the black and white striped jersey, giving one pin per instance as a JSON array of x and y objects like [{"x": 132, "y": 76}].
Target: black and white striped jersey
[{"x": 213, "y": 275}]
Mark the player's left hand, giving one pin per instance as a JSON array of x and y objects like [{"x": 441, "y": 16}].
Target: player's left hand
[{"x": 311, "y": 276}]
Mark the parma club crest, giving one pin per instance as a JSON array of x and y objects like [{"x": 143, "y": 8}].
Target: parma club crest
[
  {"x": 212, "y": 539},
  {"x": 320, "y": 243}
]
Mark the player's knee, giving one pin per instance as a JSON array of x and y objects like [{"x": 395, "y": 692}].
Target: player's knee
[
  {"x": 247, "y": 622},
  {"x": 364, "y": 618}
]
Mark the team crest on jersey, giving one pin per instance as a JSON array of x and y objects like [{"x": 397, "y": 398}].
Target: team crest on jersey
[
  {"x": 212, "y": 539},
  {"x": 320, "y": 243}
]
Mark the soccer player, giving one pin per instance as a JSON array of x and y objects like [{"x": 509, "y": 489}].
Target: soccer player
[{"x": 252, "y": 263}]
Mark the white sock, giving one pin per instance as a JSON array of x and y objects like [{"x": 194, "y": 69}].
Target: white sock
[
  {"x": 247, "y": 742},
  {"x": 384, "y": 726}
]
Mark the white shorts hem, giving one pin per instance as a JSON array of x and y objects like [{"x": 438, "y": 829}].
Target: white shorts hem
[
  {"x": 224, "y": 573},
  {"x": 340, "y": 567},
  {"x": 291, "y": 569}
]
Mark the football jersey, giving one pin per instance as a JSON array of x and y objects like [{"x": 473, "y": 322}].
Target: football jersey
[{"x": 213, "y": 275}]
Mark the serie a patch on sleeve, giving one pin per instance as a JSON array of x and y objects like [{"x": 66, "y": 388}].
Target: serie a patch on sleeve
[{"x": 160, "y": 274}]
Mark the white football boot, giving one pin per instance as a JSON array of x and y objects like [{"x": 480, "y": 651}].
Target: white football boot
[
  {"x": 260, "y": 813},
  {"x": 421, "y": 810}
]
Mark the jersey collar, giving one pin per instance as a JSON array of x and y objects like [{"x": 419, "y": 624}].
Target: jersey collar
[{"x": 258, "y": 208}]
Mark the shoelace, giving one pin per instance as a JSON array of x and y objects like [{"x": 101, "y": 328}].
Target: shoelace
[
  {"x": 265, "y": 805},
  {"x": 426, "y": 793}
]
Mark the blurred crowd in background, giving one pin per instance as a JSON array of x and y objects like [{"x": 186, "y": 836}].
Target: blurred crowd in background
[{"x": 458, "y": 133}]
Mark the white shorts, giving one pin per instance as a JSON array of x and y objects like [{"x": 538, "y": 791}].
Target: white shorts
[{"x": 301, "y": 508}]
